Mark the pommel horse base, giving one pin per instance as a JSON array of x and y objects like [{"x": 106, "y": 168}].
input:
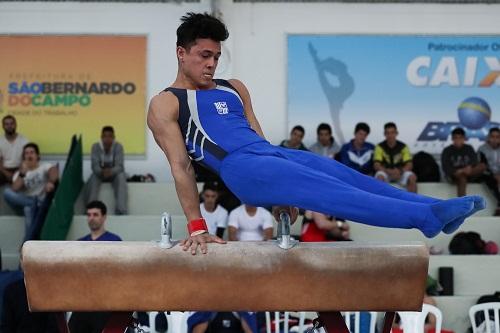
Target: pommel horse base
[{"x": 246, "y": 276}]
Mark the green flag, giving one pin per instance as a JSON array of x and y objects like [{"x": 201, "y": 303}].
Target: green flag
[{"x": 61, "y": 210}]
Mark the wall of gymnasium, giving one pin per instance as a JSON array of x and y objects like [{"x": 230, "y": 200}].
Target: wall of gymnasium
[{"x": 256, "y": 52}]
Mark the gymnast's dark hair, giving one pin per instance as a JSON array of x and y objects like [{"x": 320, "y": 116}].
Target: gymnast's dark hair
[{"x": 197, "y": 25}]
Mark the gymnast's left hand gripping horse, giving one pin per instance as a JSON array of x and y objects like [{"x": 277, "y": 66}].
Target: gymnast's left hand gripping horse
[{"x": 212, "y": 122}]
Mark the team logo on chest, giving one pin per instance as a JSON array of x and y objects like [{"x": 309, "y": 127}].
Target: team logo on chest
[{"x": 221, "y": 107}]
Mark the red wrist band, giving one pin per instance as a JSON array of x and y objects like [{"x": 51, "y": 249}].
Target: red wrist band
[{"x": 196, "y": 227}]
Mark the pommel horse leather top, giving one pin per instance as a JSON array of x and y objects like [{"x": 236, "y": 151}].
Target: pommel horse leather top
[{"x": 252, "y": 276}]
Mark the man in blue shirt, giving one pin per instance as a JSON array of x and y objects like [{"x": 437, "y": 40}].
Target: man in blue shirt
[
  {"x": 358, "y": 154},
  {"x": 96, "y": 218},
  {"x": 93, "y": 322}
]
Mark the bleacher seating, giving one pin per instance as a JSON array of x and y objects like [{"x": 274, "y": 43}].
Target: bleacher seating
[
  {"x": 473, "y": 275},
  {"x": 155, "y": 198},
  {"x": 488, "y": 227},
  {"x": 144, "y": 199}
]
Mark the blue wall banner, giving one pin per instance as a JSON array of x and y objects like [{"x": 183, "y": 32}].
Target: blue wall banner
[{"x": 427, "y": 85}]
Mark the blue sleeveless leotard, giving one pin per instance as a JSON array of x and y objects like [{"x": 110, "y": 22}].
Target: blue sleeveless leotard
[{"x": 218, "y": 136}]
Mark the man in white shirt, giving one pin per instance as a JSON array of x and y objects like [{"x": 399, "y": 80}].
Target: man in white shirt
[
  {"x": 249, "y": 223},
  {"x": 214, "y": 214},
  {"x": 11, "y": 149}
]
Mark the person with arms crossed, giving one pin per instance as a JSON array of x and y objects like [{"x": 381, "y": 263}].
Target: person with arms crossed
[{"x": 460, "y": 162}]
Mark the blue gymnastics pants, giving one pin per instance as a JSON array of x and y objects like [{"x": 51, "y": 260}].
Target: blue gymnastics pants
[{"x": 265, "y": 175}]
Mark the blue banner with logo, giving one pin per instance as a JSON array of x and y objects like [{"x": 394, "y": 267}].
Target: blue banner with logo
[{"x": 427, "y": 85}]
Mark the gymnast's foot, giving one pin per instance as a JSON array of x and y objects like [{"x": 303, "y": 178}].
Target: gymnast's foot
[
  {"x": 445, "y": 212},
  {"x": 479, "y": 204}
]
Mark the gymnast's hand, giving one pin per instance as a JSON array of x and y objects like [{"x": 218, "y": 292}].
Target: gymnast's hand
[
  {"x": 292, "y": 211},
  {"x": 192, "y": 242}
]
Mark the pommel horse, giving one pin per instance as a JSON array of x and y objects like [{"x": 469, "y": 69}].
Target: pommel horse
[{"x": 238, "y": 276}]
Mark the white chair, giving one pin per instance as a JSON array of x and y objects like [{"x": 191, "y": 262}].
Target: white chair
[
  {"x": 357, "y": 315},
  {"x": 302, "y": 327},
  {"x": 177, "y": 322},
  {"x": 414, "y": 322},
  {"x": 277, "y": 320},
  {"x": 487, "y": 326}
]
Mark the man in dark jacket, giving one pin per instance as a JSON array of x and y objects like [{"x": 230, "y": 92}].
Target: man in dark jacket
[
  {"x": 295, "y": 142},
  {"x": 459, "y": 162},
  {"x": 357, "y": 153},
  {"x": 489, "y": 156}
]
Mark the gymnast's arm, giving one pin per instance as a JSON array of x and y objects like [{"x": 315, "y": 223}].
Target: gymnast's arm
[{"x": 162, "y": 120}]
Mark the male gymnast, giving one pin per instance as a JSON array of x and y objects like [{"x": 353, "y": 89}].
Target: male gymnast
[{"x": 211, "y": 121}]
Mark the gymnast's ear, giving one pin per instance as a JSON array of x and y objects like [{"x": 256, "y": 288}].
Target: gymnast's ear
[{"x": 180, "y": 51}]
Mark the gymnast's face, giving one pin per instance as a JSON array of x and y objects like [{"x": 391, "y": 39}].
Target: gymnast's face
[
  {"x": 198, "y": 62},
  {"x": 95, "y": 219}
]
